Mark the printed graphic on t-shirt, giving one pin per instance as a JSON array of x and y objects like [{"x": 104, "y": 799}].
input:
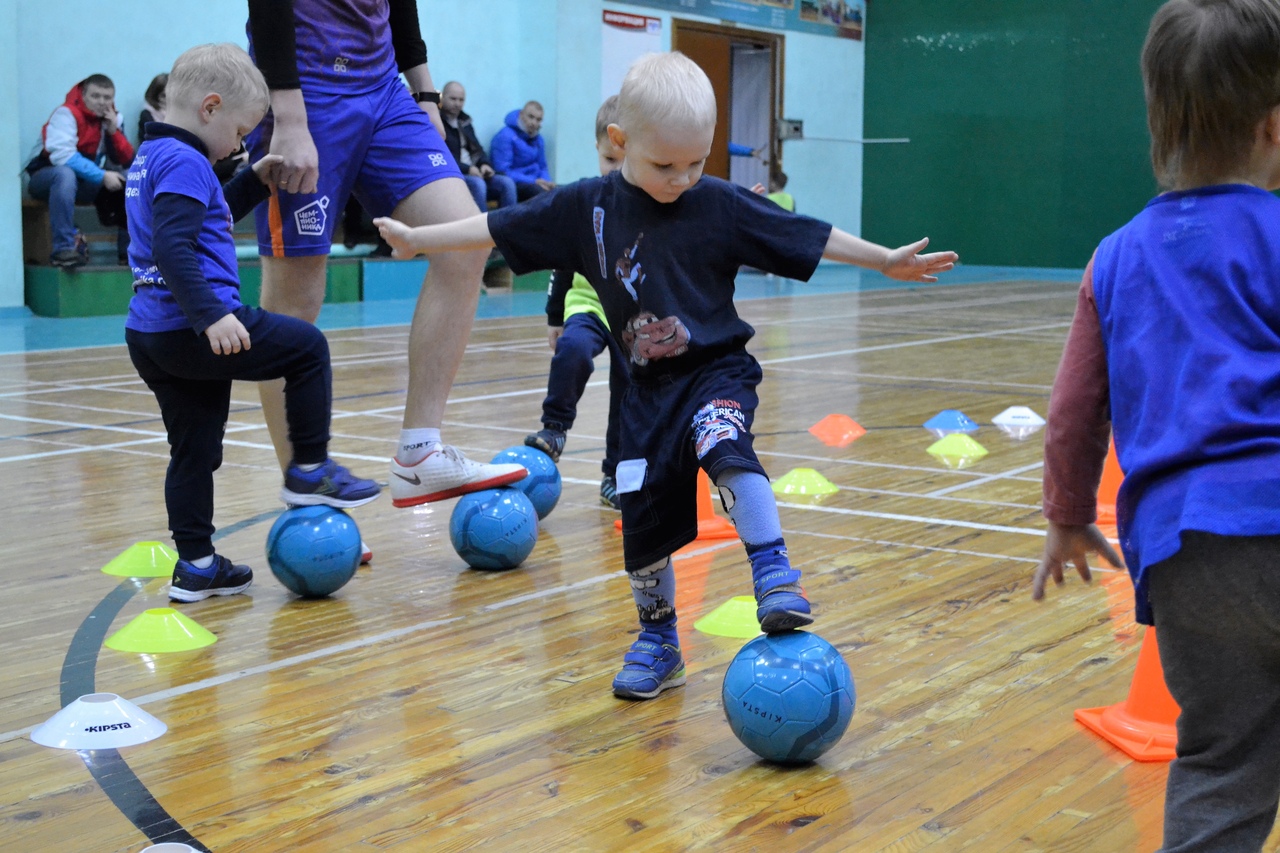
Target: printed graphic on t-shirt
[{"x": 646, "y": 337}]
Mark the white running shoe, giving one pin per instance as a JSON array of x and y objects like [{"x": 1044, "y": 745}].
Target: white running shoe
[{"x": 446, "y": 473}]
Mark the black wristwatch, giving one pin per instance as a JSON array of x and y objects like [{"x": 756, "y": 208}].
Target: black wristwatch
[{"x": 429, "y": 97}]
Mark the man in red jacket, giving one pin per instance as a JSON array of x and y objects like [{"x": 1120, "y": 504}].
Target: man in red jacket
[{"x": 77, "y": 144}]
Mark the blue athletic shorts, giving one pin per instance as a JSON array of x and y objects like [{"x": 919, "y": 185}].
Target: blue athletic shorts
[
  {"x": 379, "y": 145},
  {"x": 672, "y": 425}
]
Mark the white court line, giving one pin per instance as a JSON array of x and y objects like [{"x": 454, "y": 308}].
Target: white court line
[
  {"x": 919, "y": 519},
  {"x": 890, "y": 543},
  {"x": 919, "y": 343},
  {"x": 1007, "y": 475}
]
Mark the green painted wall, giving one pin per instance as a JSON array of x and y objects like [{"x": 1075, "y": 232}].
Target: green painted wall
[{"x": 1027, "y": 126}]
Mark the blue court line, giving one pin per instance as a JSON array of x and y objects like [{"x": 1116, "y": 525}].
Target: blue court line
[{"x": 21, "y": 331}]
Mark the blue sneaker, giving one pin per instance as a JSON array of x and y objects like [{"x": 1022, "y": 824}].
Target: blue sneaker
[
  {"x": 223, "y": 577},
  {"x": 781, "y": 605},
  {"x": 650, "y": 667},
  {"x": 330, "y": 484}
]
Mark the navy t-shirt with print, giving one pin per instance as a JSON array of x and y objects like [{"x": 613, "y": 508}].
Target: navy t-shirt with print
[{"x": 664, "y": 271}]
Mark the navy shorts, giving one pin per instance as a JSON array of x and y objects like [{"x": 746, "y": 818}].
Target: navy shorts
[
  {"x": 672, "y": 425},
  {"x": 379, "y": 145}
]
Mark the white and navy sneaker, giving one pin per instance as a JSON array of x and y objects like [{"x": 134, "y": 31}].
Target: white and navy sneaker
[
  {"x": 446, "y": 473},
  {"x": 191, "y": 583}
]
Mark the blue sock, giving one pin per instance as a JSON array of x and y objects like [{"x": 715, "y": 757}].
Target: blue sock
[
  {"x": 654, "y": 590},
  {"x": 749, "y": 500}
]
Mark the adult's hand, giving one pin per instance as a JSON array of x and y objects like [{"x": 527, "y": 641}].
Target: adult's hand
[
  {"x": 474, "y": 172},
  {"x": 486, "y": 171},
  {"x": 112, "y": 181},
  {"x": 299, "y": 168},
  {"x": 545, "y": 185}
]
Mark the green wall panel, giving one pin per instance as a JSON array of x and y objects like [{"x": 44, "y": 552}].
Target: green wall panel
[{"x": 1027, "y": 126}]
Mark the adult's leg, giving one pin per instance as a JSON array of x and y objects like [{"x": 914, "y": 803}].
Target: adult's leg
[
  {"x": 446, "y": 305},
  {"x": 527, "y": 190},
  {"x": 502, "y": 190},
  {"x": 293, "y": 287},
  {"x": 57, "y": 185},
  {"x": 1217, "y": 611},
  {"x": 476, "y": 186}
]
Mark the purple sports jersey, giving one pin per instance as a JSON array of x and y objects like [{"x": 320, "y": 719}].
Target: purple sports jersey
[{"x": 343, "y": 45}]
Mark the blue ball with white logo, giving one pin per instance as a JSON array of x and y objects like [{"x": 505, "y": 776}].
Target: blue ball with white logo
[{"x": 542, "y": 486}]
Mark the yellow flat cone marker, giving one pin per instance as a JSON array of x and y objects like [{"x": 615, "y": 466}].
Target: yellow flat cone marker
[
  {"x": 803, "y": 481},
  {"x": 143, "y": 560},
  {"x": 735, "y": 618},
  {"x": 161, "y": 629},
  {"x": 957, "y": 450}
]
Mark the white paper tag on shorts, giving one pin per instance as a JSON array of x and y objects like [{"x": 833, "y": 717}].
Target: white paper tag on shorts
[{"x": 630, "y": 475}]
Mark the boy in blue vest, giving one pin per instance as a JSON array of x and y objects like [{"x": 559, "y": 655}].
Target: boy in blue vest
[
  {"x": 662, "y": 245},
  {"x": 1175, "y": 346},
  {"x": 579, "y": 331},
  {"x": 188, "y": 333}
]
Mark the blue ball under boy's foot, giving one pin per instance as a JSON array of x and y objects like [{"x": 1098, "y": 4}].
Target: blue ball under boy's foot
[
  {"x": 781, "y": 604},
  {"x": 650, "y": 667},
  {"x": 329, "y": 485},
  {"x": 192, "y": 583}
]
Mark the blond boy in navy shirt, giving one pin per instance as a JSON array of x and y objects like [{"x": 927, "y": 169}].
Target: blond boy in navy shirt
[{"x": 662, "y": 245}]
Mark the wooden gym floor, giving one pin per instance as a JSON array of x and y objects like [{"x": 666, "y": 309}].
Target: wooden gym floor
[{"x": 429, "y": 707}]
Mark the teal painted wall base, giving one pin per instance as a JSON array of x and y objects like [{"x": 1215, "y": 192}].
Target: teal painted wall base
[{"x": 105, "y": 291}]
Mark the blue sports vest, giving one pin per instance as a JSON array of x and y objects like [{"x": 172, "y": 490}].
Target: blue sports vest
[{"x": 1188, "y": 296}]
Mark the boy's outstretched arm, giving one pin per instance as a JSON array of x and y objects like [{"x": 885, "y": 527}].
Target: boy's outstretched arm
[
  {"x": 904, "y": 263},
  {"x": 460, "y": 235}
]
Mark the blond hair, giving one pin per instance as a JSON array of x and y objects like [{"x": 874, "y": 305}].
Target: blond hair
[
  {"x": 1211, "y": 71},
  {"x": 663, "y": 89},
  {"x": 224, "y": 69},
  {"x": 605, "y": 116}
]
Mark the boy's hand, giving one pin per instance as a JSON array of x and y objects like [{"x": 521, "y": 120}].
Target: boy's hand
[
  {"x": 268, "y": 169},
  {"x": 396, "y": 234},
  {"x": 228, "y": 335},
  {"x": 553, "y": 335},
  {"x": 907, "y": 264},
  {"x": 1070, "y": 544}
]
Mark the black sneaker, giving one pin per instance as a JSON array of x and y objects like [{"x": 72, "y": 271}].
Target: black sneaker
[
  {"x": 67, "y": 259},
  {"x": 609, "y": 493},
  {"x": 549, "y": 441},
  {"x": 223, "y": 577}
]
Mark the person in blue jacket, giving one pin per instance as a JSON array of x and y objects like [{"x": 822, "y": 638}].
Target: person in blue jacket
[{"x": 519, "y": 152}]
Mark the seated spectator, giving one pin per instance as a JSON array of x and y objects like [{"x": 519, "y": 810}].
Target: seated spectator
[
  {"x": 520, "y": 153},
  {"x": 153, "y": 104},
  {"x": 485, "y": 184},
  {"x": 155, "y": 101},
  {"x": 81, "y": 155}
]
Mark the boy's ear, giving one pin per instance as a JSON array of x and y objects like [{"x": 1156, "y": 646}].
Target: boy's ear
[
  {"x": 1271, "y": 126},
  {"x": 618, "y": 137},
  {"x": 211, "y": 104}
]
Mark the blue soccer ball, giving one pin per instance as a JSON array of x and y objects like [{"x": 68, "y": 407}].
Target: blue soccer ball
[
  {"x": 313, "y": 550},
  {"x": 542, "y": 486},
  {"x": 494, "y": 529},
  {"x": 788, "y": 697}
]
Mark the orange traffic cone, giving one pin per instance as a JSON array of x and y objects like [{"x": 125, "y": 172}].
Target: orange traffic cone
[
  {"x": 1112, "y": 477},
  {"x": 710, "y": 525},
  {"x": 1142, "y": 726}
]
